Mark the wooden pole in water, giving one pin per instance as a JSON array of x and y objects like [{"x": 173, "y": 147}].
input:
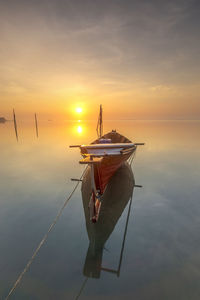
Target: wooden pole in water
[
  {"x": 101, "y": 121},
  {"x": 36, "y": 125},
  {"x": 15, "y": 124},
  {"x": 99, "y": 128}
]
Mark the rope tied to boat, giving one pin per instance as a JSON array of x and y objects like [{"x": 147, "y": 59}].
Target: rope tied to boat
[
  {"x": 17, "y": 282},
  {"x": 130, "y": 160}
]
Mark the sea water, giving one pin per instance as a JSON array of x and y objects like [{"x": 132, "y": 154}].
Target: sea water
[{"x": 161, "y": 251}]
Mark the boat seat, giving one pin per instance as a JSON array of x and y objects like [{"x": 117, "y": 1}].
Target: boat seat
[{"x": 105, "y": 141}]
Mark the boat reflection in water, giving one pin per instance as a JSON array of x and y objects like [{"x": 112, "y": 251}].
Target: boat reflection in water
[{"x": 116, "y": 197}]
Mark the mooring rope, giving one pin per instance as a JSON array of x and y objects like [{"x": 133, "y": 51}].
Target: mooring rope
[
  {"x": 43, "y": 239},
  {"x": 82, "y": 287},
  {"x": 130, "y": 160}
]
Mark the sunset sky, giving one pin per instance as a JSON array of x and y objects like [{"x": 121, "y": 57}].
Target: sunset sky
[{"x": 140, "y": 59}]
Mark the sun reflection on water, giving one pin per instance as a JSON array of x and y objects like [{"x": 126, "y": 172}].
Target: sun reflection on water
[{"x": 79, "y": 129}]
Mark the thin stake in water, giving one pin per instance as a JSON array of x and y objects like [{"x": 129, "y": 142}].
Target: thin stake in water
[
  {"x": 36, "y": 125},
  {"x": 15, "y": 124}
]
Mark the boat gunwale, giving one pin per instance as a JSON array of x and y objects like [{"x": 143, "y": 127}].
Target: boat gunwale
[{"x": 108, "y": 146}]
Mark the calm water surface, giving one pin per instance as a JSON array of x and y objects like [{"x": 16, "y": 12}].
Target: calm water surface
[{"x": 161, "y": 255}]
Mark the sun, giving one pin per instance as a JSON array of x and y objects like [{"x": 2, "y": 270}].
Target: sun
[{"x": 79, "y": 110}]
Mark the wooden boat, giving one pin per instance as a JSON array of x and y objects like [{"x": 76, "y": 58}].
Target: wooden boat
[{"x": 104, "y": 156}]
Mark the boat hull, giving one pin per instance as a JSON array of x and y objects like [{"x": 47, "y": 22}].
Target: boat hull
[
  {"x": 104, "y": 160},
  {"x": 104, "y": 170}
]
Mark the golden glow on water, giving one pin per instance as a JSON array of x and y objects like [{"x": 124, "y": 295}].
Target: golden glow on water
[
  {"x": 79, "y": 129},
  {"x": 158, "y": 135}
]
